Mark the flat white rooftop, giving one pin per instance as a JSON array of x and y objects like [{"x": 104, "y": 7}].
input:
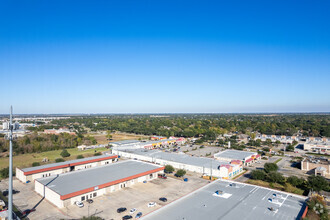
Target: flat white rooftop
[
  {"x": 242, "y": 201},
  {"x": 234, "y": 154}
]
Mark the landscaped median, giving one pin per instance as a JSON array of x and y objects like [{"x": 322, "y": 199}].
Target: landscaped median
[
  {"x": 278, "y": 160},
  {"x": 287, "y": 187}
]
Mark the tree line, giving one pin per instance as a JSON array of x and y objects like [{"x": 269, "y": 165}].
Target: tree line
[
  {"x": 205, "y": 125},
  {"x": 35, "y": 143}
]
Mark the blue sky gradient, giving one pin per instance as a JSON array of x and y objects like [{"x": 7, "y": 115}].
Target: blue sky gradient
[{"x": 164, "y": 56}]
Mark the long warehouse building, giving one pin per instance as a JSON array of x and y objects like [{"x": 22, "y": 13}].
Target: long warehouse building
[
  {"x": 32, "y": 173},
  {"x": 65, "y": 189},
  {"x": 202, "y": 165}
]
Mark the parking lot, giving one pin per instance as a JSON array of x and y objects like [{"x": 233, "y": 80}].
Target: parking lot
[
  {"x": 195, "y": 150},
  {"x": 106, "y": 206}
]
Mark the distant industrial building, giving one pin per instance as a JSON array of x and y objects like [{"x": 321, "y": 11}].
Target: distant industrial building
[
  {"x": 227, "y": 200},
  {"x": 202, "y": 165},
  {"x": 318, "y": 145},
  {"x": 5, "y": 125},
  {"x": 281, "y": 138},
  {"x": 319, "y": 167},
  {"x": 32, "y": 173},
  {"x": 157, "y": 138},
  {"x": 86, "y": 147},
  {"x": 134, "y": 144},
  {"x": 125, "y": 143},
  {"x": 245, "y": 157},
  {"x": 59, "y": 131},
  {"x": 65, "y": 189}
]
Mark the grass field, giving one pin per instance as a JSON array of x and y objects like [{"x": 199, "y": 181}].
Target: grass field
[{"x": 26, "y": 160}]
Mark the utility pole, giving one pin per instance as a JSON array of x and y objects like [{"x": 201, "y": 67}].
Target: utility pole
[
  {"x": 10, "y": 195},
  {"x": 211, "y": 169}
]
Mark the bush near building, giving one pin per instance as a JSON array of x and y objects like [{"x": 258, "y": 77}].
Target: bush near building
[
  {"x": 98, "y": 154},
  {"x": 169, "y": 169},
  {"x": 80, "y": 156},
  {"x": 317, "y": 206},
  {"x": 35, "y": 164},
  {"x": 65, "y": 153},
  {"x": 58, "y": 160},
  {"x": 180, "y": 173},
  {"x": 4, "y": 173}
]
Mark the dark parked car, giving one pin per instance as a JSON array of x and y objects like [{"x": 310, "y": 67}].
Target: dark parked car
[
  {"x": 127, "y": 217},
  {"x": 89, "y": 200},
  {"x": 138, "y": 215},
  {"x": 28, "y": 211},
  {"x": 163, "y": 199},
  {"x": 120, "y": 210}
]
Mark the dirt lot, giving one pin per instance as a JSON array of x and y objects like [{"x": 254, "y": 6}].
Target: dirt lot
[
  {"x": 106, "y": 206},
  {"x": 102, "y": 139}
]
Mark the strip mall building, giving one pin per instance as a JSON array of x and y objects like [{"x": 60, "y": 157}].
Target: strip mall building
[
  {"x": 65, "y": 189},
  {"x": 32, "y": 173}
]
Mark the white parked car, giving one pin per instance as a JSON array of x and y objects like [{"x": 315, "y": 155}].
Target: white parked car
[
  {"x": 79, "y": 204},
  {"x": 151, "y": 204},
  {"x": 132, "y": 211}
]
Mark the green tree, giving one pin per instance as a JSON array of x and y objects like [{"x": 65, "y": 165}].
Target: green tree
[
  {"x": 169, "y": 169},
  {"x": 65, "y": 153},
  {"x": 258, "y": 174},
  {"x": 98, "y": 154},
  {"x": 180, "y": 173},
  {"x": 35, "y": 164},
  {"x": 318, "y": 183},
  {"x": 276, "y": 177},
  {"x": 268, "y": 167},
  {"x": 109, "y": 136},
  {"x": 4, "y": 173}
]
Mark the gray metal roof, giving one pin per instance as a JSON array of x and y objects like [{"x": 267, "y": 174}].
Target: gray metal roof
[
  {"x": 246, "y": 202},
  {"x": 234, "y": 154},
  {"x": 179, "y": 158},
  {"x": 82, "y": 179},
  {"x": 125, "y": 142},
  {"x": 64, "y": 163}
]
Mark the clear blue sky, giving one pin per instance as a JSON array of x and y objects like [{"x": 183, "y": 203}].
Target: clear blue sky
[{"x": 164, "y": 56}]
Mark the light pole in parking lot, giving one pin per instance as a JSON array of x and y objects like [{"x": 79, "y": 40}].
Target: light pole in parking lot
[{"x": 10, "y": 187}]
